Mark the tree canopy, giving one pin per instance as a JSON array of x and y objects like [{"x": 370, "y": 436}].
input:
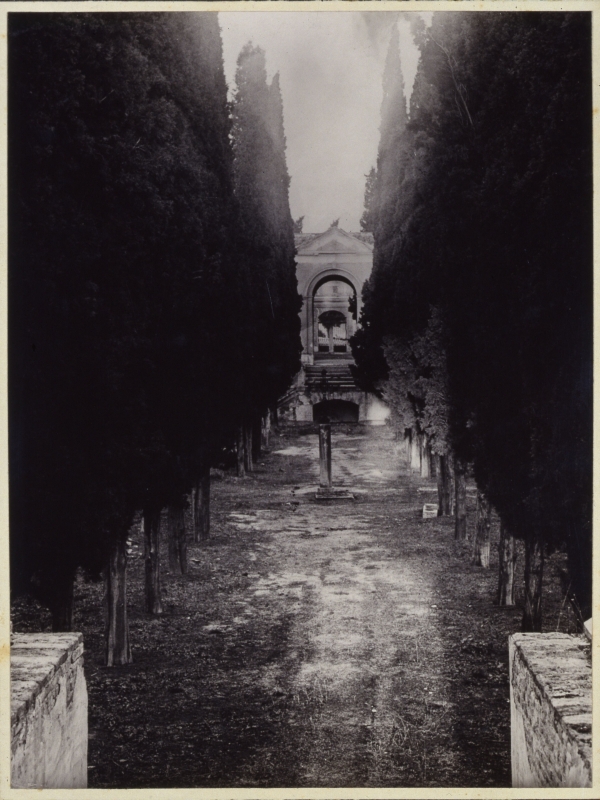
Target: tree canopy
[
  {"x": 267, "y": 231},
  {"x": 487, "y": 218},
  {"x": 138, "y": 270}
]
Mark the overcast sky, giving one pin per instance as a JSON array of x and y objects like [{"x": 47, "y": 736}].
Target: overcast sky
[{"x": 331, "y": 66}]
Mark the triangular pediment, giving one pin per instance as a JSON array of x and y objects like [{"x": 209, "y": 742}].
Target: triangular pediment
[{"x": 333, "y": 241}]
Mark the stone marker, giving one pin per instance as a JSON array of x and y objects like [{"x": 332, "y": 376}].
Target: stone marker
[
  {"x": 430, "y": 510},
  {"x": 326, "y": 490},
  {"x": 325, "y": 455},
  {"x": 587, "y": 627}
]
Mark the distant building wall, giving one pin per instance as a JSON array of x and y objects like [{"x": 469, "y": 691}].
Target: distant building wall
[
  {"x": 49, "y": 718},
  {"x": 551, "y": 710},
  {"x": 334, "y": 254},
  {"x": 331, "y": 267}
]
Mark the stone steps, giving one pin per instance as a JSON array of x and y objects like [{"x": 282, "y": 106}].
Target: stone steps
[{"x": 337, "y": 376}]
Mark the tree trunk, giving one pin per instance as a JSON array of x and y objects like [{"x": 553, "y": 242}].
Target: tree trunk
[
  {"x": 256, "y": 439},
  {"x": 444, "y": 482},
  {"x": 61, "y": 603},
  {"x": 248, "y": 447},
  {"x": 177, "y": 540},
  {"x": 415, "y": 455},
  {"x": 481, "y": 543},
  {"x": 452, "y": 492},
  {"x": 202, "y": 507},
  {"x": 265, "y": 431},
  {"x": 460, "y": 493},
  {"x": 507, "y": 558},
  {"x": 407, "y": 444},
  {"x": 152, "y": 561},
  {"x": 425, "y": 458},
  {"x": 118, "y": 650},
  {"x": 534, "y": 573},
  {"x": 239, "y": 449}
]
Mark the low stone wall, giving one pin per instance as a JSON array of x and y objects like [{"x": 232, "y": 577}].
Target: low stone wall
[
  {"x": 298, "y": 408},
  {"x": 49, "y": 727},
  {"x": 551, "y": 710}
]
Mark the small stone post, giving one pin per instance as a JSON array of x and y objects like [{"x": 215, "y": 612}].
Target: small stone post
[{"x": 325, "y": 455}]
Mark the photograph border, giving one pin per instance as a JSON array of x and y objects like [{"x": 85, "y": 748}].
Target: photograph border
[{"x": 267, "y": 6}]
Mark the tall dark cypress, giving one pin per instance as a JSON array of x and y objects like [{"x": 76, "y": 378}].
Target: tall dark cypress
[
  {"x": 381, "y": 218},
  {"x": 490, "y": 222},
  {"x": 393, "y": 125},
  {"x": 262, "y": 188},
  {"x": 122, "y": 260}
]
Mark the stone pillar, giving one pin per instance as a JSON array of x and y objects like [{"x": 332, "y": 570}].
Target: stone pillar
[
  {"x": 310, "y": 326},
  {"x": 550, "y": 710},
  {"x": 49, "y": 725},
  {"x": 325, "y": 455}
]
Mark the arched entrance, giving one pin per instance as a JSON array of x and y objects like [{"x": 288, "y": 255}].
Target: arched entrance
[
  {"x": 332, "y": 332},
  {"x": 334, "y": 298}
]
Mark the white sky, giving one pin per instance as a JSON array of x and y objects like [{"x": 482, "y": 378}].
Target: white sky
[{"x": 331, "y": 66}]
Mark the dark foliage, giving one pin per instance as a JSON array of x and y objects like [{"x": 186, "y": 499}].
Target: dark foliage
[
  {"x": 133, "y": 305},
  {"x": 267, "y": 233},
  {"x": 488, "y": 218}
]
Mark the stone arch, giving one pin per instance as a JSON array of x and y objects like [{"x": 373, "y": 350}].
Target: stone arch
[
  {"x": 331, "y": 274},
  {"x": 324, "y": 276}
]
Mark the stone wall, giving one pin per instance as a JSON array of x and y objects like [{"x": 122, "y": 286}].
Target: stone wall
[
  {"x": 551, "y": 710},
  {"x": 49, "y": 727},
  {"x": 298, "y": 405}
]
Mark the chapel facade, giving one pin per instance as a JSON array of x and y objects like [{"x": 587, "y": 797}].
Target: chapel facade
[{"x": 331, "y": 268}]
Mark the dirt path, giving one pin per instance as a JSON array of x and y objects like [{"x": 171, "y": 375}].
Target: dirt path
[
  {"x": 362, "y": 616},
  {"x": 311, "y": 644}
]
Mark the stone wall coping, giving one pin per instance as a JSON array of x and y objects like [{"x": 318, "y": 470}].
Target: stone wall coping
[
  {"x": 34, "y": 660},
  {"x": 560, "y": 665}
]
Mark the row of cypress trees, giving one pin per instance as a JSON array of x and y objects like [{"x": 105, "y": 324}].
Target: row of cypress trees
[
  {"x": 477, "y": 323},
  {"x": 152, "y": 289}
]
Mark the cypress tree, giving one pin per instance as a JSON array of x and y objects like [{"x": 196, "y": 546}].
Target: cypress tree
[
  {"x": 267, "y": 231},
  {"x": 492, "y": 225},
  {"x": 379, "y": 215},
  {"x": 121, "y": 268}
]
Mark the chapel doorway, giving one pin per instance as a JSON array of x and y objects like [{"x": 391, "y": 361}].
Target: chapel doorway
[
  {"x": 334, "y": 321},
  {"x": 333, "y": 333}
]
